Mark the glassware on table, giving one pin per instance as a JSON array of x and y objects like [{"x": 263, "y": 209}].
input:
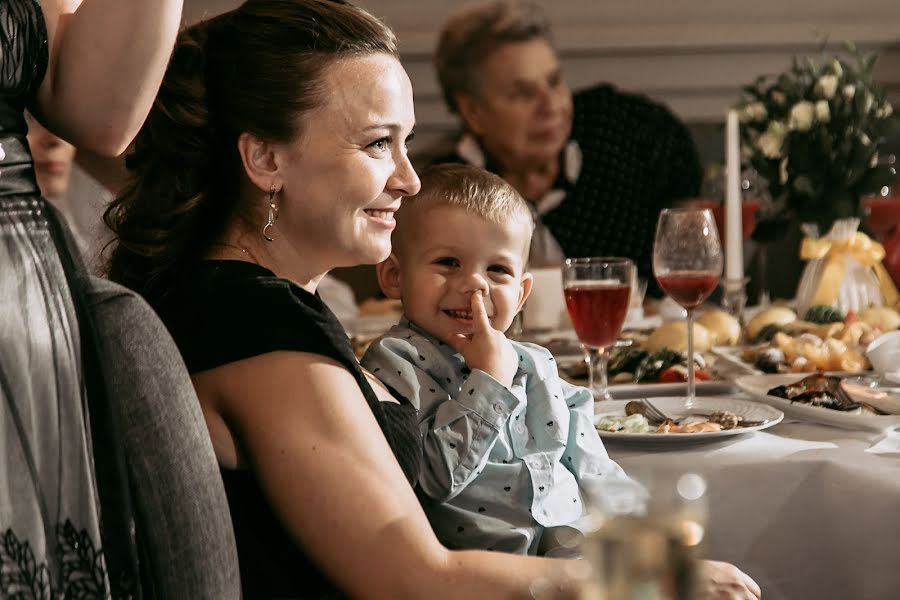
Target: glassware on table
[
  {"x": 687, "y": 263},
  {"x": 597, "y": 292},
  {"x": 646, "y": 539}
]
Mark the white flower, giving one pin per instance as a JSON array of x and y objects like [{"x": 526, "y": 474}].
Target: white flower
[
  {"x": 868, "y": 101},
  {"x": 783, "y": 171},
  {"x": 836, "y": 67},
  {"x": 884, "y": 111},
  {"x": 864, "y": 140},
  {"x": 801, "y": 116},
  {"x": 770, "y": 142},
  {"x": 823, "y": 112},
  {"x": 874, "y": 160},
  {"x": 778, "y": 98},
  {"x": 826, "y": 86},
  {"x": 753, "y": 112},
  {"x": 849, "y": 91}
]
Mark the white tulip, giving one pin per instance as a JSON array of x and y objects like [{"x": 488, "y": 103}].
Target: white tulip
[
  {"x": 826, "y": 86},
  {"x": 849, "y": 91},
  {"x": 823, "y": 111},
  {"x": 770, "y": 142},
  {"x": 836, "y": 67},
  {"x": 867, "y": 103},
  {"x": 874, "y": 160},
  {"x": 864, "y": 140},
  {"x": 753, "y": 112},
  {"x": 801, "y": 116}
]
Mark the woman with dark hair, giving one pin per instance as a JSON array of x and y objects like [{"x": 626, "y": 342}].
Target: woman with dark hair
[
  {"x": 276, "y": 151},
  {"x": 89, "y": 72}
]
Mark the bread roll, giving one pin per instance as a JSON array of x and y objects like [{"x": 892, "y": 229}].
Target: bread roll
[
  {"x": 779, "y": 315},
  {"x": 882, "y": 317},
  {"x": 726, "y": 329},
  {"x": 673, "y": 335}
]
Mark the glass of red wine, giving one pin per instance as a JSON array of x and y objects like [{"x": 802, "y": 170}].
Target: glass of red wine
[
  {"x": 597, "y": 291},
  {"x": 687, "y": 263}
]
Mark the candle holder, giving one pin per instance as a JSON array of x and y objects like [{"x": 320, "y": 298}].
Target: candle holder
[{"x": 734, "y": 298}]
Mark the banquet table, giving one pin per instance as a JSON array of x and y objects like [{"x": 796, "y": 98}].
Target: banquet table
[{"x": 809, "y": 511}]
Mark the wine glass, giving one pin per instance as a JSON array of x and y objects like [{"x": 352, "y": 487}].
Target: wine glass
[
  {"x": 646, "y": 536},
  {"x": 687, "y": 263},
  {"x": 597, "y": 292}
]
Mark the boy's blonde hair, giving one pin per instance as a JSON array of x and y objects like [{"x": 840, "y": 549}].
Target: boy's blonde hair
[{"x": 475, "y": 190}]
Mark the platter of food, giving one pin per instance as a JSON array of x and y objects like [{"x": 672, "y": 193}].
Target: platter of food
[
  {"x": 847, "y": 402},
  {"x": 706, "y": 419}
]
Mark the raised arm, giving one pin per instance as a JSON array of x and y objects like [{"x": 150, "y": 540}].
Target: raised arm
[
  {"x": 304, "y": 427},
  {"x": 107, "y": 59}
]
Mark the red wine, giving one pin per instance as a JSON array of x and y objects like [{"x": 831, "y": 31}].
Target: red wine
[
  {"x": 598, "y": 311},
  {"x": 688, "y": 288}
]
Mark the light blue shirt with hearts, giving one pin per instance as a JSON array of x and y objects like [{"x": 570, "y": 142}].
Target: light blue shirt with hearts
[{"x": 501, "y": 465}]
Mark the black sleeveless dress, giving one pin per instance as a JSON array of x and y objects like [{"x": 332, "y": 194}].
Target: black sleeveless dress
[
  {"x": 60, "y": 455},
  {"x": 224, "y": 311}
]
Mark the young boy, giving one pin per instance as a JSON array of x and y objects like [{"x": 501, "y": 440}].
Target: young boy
[{"x": 511, "y": 453}]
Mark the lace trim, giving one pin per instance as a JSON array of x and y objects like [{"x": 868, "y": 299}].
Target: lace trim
[{"x": 82, "y": 576}]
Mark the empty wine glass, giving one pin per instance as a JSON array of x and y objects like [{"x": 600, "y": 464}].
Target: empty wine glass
[
  {"x": 597, "y": 291},
  {"x": 687, "y": 263}
]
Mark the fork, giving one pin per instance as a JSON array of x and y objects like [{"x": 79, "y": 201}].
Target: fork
[{"x": 654, "y": 414}]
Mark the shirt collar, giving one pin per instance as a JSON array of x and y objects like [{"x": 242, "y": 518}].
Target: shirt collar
[{"x": 471, "y": 152}]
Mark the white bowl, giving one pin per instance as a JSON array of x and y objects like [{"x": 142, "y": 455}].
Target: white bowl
[{"x": 884, "y": 352}]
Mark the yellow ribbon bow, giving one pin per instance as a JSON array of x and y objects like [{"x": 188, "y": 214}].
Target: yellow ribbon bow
[{"x": 861, "y": 247}]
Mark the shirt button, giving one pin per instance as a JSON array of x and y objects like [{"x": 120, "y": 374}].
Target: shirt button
[{"x": 498, "y": 408}]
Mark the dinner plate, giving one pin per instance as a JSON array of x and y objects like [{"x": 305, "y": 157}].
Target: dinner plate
[
  {"x": 758, "y": 387},
  {"x": 675, "y": 408}
]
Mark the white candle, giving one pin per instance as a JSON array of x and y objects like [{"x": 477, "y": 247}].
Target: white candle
[{"x": 734, "y": 251}]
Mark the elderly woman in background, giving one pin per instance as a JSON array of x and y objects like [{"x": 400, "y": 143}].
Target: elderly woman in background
[{"x": 597, "y": 168}]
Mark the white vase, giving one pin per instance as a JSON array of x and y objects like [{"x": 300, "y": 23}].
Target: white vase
[{"x": 859, "y": 288}]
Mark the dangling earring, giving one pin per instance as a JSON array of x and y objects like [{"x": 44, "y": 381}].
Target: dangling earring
[{"x": 273, "y": 214}]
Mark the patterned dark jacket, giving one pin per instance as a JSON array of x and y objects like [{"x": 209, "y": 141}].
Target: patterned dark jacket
[{"x": 637, "y": 159}]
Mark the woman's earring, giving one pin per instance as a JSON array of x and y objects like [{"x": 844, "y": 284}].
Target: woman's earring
[{"x": 273, "y": 214}]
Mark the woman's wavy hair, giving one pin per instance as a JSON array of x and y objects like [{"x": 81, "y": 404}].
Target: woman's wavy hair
[{"x": 256, "y": 69}]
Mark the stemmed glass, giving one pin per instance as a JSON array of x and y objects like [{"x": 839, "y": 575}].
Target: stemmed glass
[
  {"x": 597, "y": 291},
  {"x": 687, "y": 263}
]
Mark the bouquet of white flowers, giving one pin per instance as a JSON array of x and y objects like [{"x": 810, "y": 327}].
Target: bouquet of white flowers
[{"x": 814, "y": 133}]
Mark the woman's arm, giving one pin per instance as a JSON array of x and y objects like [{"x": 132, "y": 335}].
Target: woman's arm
[
  {"x": 107, "y": 59},
  {"x": 304, "y": 427}
]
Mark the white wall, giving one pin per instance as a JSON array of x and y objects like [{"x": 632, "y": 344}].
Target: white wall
[{"x": 693, "y": 55}]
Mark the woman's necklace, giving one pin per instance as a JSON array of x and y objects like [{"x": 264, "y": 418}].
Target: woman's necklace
[{"x": 243, "y": 250}]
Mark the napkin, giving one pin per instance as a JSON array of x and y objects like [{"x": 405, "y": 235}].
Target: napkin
[{"x": 889, "y": 444}]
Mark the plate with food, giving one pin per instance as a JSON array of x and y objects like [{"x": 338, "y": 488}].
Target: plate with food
[
  {"x": 850, "y": 402},
  {"x": 655, "y": 363},
  {"x": 707, "y": 418}
]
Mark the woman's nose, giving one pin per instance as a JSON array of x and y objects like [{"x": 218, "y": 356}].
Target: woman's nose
[{"x": 405, "y": 180}]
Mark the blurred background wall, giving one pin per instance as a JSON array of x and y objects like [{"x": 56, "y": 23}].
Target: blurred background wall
[{"x": 693, "y": 55}]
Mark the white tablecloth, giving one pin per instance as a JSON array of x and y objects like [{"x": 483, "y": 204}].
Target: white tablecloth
[{"x": 809, "y": 511}]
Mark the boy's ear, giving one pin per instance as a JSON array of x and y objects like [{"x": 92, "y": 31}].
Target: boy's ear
[
  {"x": 527, "y": 284},
  {"x": 388, "y": 272}
]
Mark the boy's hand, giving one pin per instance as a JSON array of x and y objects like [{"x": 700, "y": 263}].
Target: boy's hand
[{"x": 486, "y": 349}]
